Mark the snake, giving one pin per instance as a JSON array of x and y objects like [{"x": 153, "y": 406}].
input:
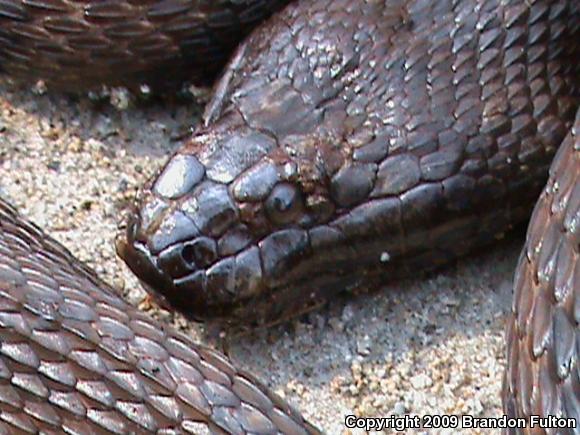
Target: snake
[{"x": 347, "y": 143}]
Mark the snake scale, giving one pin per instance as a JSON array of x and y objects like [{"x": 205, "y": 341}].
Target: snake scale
[{"x": 347, "y": 142}]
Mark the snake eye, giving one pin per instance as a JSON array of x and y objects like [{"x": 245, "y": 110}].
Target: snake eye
[{"x": 284, "y": 204}]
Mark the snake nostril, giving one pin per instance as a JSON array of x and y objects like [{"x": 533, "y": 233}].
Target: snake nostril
[
  {"x": 188, "y": 254},
  {"x": 201, "y": 252}
]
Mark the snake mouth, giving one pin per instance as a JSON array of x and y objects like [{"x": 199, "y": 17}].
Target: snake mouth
[
  {"x": 186, "y": 275},
  {"x": 140, "y": 263}
]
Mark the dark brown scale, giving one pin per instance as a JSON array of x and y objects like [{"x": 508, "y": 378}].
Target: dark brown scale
[
  {"x": 82, "y": 44},
  {"x": 76, "y": 358},
  {"x": 542, "y": 333}
]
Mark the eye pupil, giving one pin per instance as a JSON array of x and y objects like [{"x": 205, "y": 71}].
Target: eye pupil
[
  {"x": 284, "y": 204},
  {"x": 280, "y": 204}
]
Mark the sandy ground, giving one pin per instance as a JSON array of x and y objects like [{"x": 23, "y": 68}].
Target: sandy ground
[{"x": 425, "y": 346}]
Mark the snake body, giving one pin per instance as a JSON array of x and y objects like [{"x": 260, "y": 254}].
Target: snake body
[
  {"x": 75, "y": 358},
  {"x": 348, "y": 141},
  {"x": 83, "y": 44},
  {"x": 542, "y": 334}
]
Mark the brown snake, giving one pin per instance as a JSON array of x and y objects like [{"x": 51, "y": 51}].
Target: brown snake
[{"x": 347, "y": 141}]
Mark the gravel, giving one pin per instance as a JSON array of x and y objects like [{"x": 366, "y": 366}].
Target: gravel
[{"x": 433, "y": 345}]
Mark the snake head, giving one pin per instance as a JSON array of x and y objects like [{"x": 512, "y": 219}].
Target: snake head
[{"x": 224, "y": 222}]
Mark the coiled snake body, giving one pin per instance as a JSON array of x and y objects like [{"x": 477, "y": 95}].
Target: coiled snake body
[{"x": 348, "y": 141}]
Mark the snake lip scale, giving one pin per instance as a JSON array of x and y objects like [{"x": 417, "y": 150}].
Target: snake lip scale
[{"x": 347, "y": 143}]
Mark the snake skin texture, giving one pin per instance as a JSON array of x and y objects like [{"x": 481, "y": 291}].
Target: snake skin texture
[
  {"x": 543, "y": 331},
  {"x": 76, "y": 359},
  {"x": 351, "y": 143},
  {"x": 347, "y": 142},
  {"x": 79, "y": 44}
]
